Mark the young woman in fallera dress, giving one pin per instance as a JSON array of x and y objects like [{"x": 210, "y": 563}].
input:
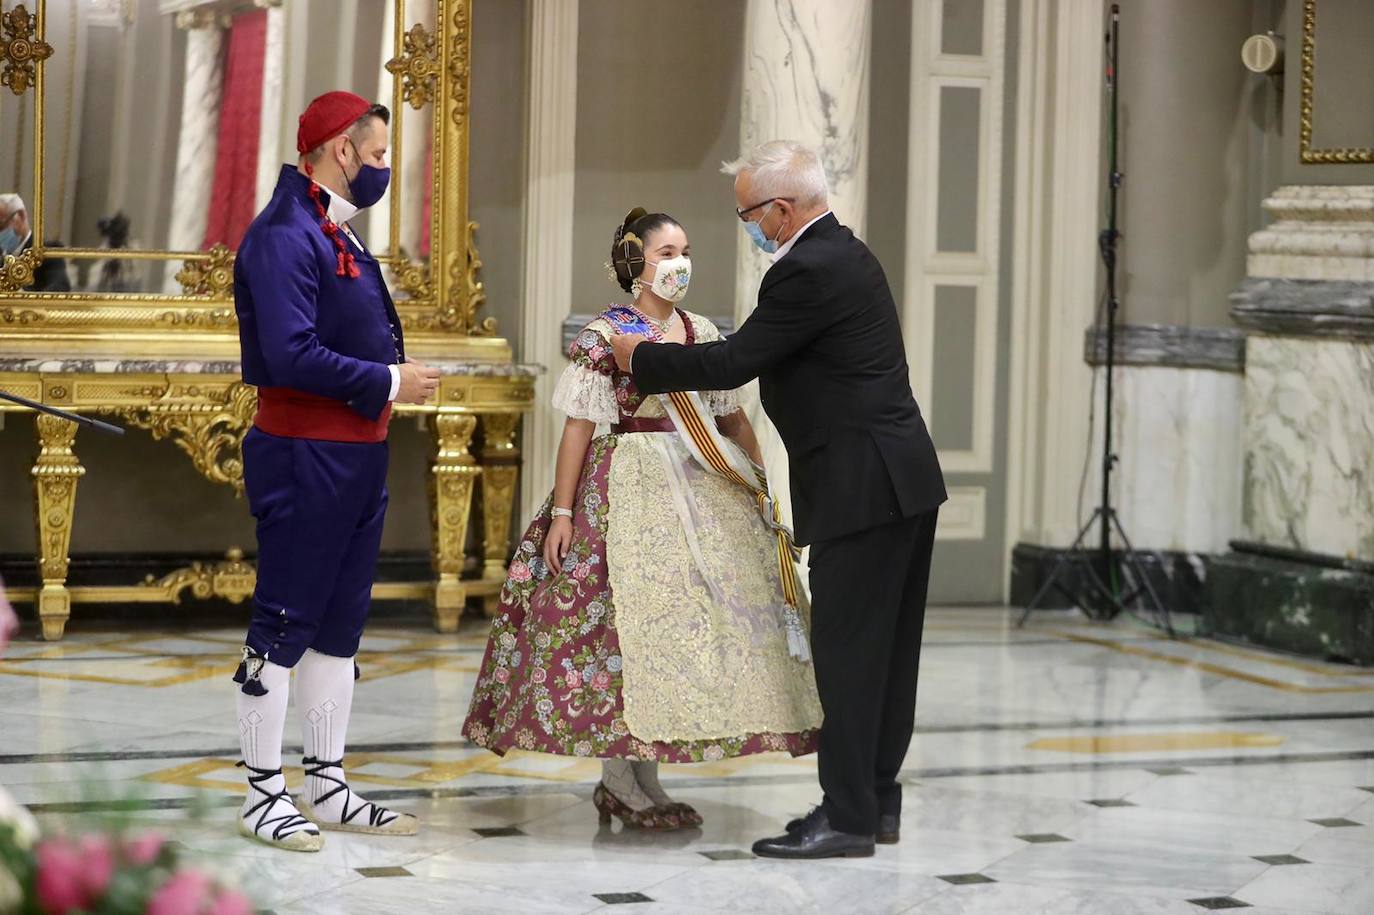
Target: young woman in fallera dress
[{"x": 647, "y": 616}]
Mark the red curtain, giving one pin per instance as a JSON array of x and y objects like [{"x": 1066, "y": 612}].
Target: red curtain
[{"x": 234, "y": 192}]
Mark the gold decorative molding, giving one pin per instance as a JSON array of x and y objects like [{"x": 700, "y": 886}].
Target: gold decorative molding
[
  {"x": 417, "y": 67},
  {"x": 232, "y": 579},
  {"x": 21, "y": 49},
  {"x": 451, "y": 480},
  {"x": 212, "y": 275},
  {"x": 476, "y": 291},
  {"x": 205, "y": 17},
  {"x": 1309, "y": 154},
  {"x": 18, "y": 270},
  {"x": 207, "y": 422},
  {"x": 459, "y": 64},
  {"x": 500, "y": 471},
  {"x": 55, "y": 473},
  {"x": 412, "y": 277}
]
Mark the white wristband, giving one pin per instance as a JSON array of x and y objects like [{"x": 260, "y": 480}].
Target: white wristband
[{"x": 561, "y": 512}]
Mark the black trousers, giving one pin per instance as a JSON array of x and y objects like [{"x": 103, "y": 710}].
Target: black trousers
[{"x": 868, "y": 593}]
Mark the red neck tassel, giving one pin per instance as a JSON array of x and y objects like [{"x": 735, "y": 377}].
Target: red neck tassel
[{"x": 347, "y": 262}]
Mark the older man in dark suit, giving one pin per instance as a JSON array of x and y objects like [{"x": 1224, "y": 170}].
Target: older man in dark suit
[{"x": 826, "y": 346}]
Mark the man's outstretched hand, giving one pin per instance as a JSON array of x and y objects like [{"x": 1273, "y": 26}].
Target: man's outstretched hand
[{"x": 624, "y": 346}]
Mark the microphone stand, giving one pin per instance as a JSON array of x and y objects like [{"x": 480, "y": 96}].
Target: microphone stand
[
  {"x": 1102, "y": 599},
  {"x": 61, "y": 414}
]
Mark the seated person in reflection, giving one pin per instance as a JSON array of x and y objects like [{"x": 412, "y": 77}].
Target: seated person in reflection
[
  {"x": 647, "y": 615},
  {"x": 114, "y": 274},
  {"x": 16, "y": 237}
]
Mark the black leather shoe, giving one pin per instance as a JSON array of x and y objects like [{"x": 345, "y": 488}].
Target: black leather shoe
[
  {"x": 815, "y": 839},
  {"x": 889, "y": 828}
]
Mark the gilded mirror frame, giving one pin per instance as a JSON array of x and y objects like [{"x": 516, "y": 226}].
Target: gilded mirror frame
[
  {"x": 1310, "y": 154},
  {"x": 445, "y": 293}
]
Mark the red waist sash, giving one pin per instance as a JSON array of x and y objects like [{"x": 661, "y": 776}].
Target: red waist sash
[
  {"x": 295, "y": 414},
  {"x": 644, "y": 424}
]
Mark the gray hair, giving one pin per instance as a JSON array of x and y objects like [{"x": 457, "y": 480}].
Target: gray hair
[
  {"x": 784, "y": 168},
  {"x": 11, "y": 204}
]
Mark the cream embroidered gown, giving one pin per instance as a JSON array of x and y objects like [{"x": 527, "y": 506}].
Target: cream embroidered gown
[{"x": 663, "y": 638}]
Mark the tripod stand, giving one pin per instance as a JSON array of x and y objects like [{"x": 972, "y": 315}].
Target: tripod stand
[{"x": 1102, "y": 572}]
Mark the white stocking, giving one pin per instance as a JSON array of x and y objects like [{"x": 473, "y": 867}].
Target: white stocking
[
  {"x": 268, "y": 812},
  {"x": 324, "y": 693},
  {"x": 646, "y": 773},
  {"x": 619, "y": 778}
]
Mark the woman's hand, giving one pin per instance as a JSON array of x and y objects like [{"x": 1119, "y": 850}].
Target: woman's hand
[{"x": 557, "y": 543}]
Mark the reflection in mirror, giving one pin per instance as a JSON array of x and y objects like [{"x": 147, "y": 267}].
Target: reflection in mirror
[
  {"x": 167, "y": 124},
  {"x": 22, "y": 214}
]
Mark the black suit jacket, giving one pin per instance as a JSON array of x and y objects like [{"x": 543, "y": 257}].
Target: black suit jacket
[
  {"x": 826, "y": 346},
  {"x": 51, "y": 274}
]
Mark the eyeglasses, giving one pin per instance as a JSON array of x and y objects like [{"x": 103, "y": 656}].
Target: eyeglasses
[{"x": 740, "y": 213}]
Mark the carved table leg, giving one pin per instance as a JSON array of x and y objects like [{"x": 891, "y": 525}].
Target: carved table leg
[
  {"x": 451, "y": 478},
  {"x": 500, "y": 467},
  {"x": 55, "y": 475}
]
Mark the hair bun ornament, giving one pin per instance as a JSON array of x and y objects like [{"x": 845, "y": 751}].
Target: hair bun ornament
[{"x": 627, "y": 249}]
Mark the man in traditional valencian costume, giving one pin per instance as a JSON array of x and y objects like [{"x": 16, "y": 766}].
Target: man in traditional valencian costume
[{"x": 322, "y": 343}]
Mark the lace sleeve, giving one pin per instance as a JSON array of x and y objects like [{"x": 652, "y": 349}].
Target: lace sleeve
[
  {"x": 722, "y": 403},
  {"x": 586, "y": 394},
  {"x": 585, "y": 390}
]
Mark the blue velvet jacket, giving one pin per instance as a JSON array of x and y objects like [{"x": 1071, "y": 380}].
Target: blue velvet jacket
[{"x": 303, "y": 326}]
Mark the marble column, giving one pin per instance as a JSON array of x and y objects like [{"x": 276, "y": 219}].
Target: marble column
[
  {"x": 806, "y": 77},
  {"x": 1301, "y": 576},
  {"x": 546, "y": 296},
  {"x": 1179, "y": 390},
  {"x": 198, "y": 139},
  {"x": 271, "y": 143},
  {"x": 1054, "y": 264},
  {"x": 1309, "y": 378}
]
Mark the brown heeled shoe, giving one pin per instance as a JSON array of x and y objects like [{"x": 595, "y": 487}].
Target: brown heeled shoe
[
  {"x": 657, "y": 818},
  {"x": 687, "y": 813}
]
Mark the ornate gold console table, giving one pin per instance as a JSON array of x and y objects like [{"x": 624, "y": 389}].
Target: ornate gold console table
[
  {"x": 206, "y": 410},
  {"x": 147, "y": 333}
]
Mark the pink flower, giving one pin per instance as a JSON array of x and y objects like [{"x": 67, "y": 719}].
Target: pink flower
[
  {"x": 519, "y": 571},
  {"x": 596, "y": 352},
  {"x": 582, "y": 571},
  {"x": 574, "y": 679},
  {"x": 143, "y": 850},
  {"x": 602, "y": 680},
  {"x": 97, "y": 864},
  {"x": 184, "y": 893},
  {"x": 231, "y": 903},
  {"x": 502, "y": 675},
  {"x": 539, "y": 675},
  {"x": 60, "y": 883}
]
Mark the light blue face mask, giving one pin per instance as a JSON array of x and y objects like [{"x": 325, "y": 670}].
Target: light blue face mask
[
  {"x": 9, "y": 241},
  {"x": 755, "y": 232}
]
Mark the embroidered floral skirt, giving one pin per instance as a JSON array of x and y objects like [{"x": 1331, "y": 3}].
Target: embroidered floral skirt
[{"x": 662, "y": 638}]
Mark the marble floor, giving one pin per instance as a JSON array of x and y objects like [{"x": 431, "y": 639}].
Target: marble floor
[{"x": 1062, "y": 768}]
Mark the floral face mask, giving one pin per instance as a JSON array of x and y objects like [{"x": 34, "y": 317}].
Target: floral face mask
[{"x": 671, "y": 278}]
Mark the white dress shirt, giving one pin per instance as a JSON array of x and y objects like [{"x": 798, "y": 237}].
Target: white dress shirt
[{"x": 787, "y": 246}]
